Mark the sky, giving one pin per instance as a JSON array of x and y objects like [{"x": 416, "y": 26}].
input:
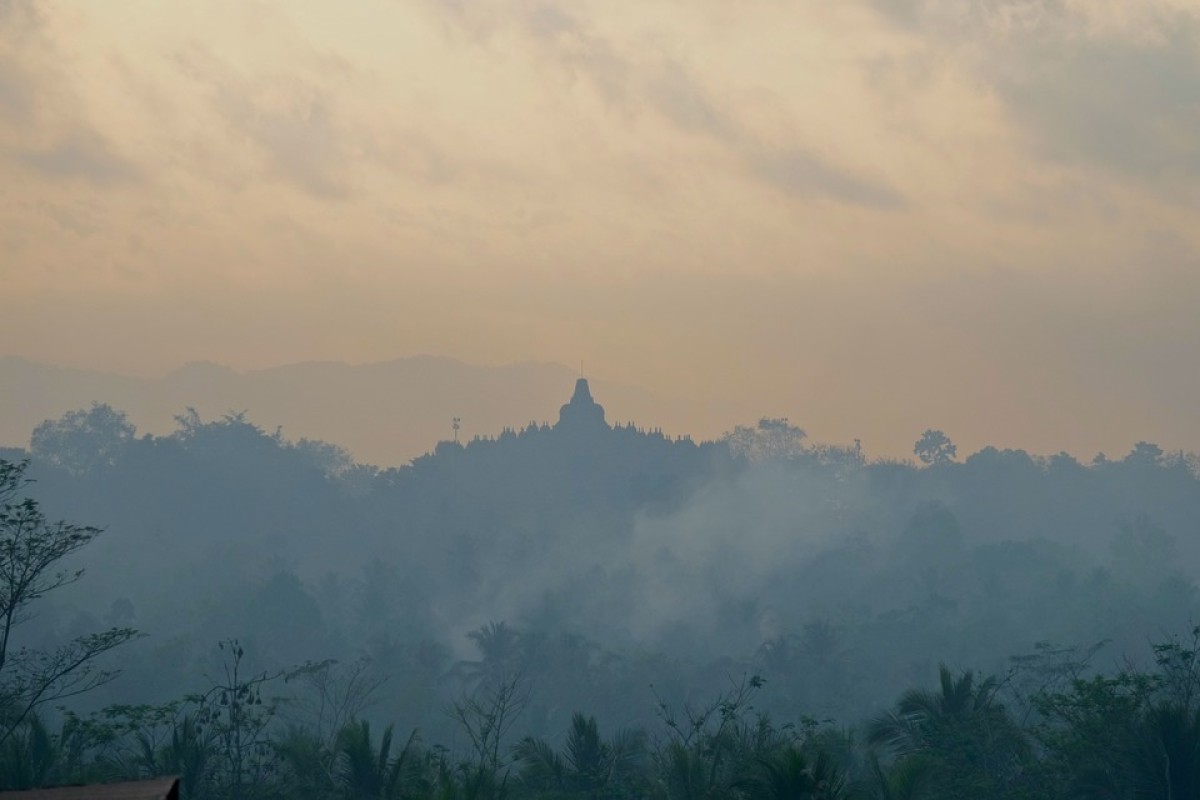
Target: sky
[{"x": 870, "y": 216}]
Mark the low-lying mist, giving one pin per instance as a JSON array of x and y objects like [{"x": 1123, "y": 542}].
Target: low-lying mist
[{"x": 611, "y": 567}]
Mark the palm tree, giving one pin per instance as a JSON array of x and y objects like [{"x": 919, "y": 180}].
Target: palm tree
[
  {"x": 787, "y": 774},
  {"x": 906, "y": 780},
  {"x": 499, "y": 654},
  {"x": 478, "y": 783},
  {"x": 541, "y": 765},
  {"x": 685, "y": 773},
  {"x": 971, "y": 744},
  {"x": 187, "y": 755},
  {"x": 920, "y": 714},
  {"x": 309, "y": 764},
  {"x": 588, "y": 763},
  {"x": 369, "y": 774},
  {"x": 1166, "y": 757},
  {"x": 31, "y": 756}
]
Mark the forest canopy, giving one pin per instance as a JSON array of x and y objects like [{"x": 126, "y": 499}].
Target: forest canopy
[{"x": 582, "y": 609}]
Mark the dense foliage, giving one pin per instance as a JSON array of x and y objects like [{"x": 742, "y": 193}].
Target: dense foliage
[
  {"x": 595, "y": 611},
  {"x": 1128, "y": 735}
]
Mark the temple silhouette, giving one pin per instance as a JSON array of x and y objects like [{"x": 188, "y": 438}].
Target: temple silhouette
[
  {"x": 573, "y": 477},
  {"x": 582, "y": 413}
]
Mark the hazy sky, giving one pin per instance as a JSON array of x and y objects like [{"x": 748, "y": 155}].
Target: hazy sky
[{"x": 871, "y": 216}]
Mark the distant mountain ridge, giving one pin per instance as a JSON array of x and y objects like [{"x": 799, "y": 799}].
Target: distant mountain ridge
[{"x": 385, "y": 413}]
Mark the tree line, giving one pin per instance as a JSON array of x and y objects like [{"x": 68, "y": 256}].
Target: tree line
[{"x": 679, "y": 620}]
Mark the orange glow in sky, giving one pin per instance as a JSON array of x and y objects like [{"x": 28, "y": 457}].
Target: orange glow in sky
[{"x": 870, "y": 216}]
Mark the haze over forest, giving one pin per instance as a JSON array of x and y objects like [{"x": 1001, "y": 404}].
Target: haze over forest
[
  {"x": 738, "y": 605},
  {"x": 533, "y": 399}
]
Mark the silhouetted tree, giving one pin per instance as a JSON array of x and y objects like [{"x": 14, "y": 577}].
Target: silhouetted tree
[
  {"x": 31, "y": 551},
  {"x": 973, "y": 746},
  {"x": 369, "y": 773},
  {"x": 84, "y": 441},
  {"x": 500, "y": 655},
  {"x": 789, "y": 774},
  {"x": 587, "y": 764},
  {"x": 772, "y": 439},
  {"x": 935, "y": 448}
]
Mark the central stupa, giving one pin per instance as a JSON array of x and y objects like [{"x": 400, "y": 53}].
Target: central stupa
[{"x": 582, "y": 413}]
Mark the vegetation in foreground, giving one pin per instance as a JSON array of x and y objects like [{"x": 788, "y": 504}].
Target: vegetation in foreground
[{"x": 1048, "y": 729}]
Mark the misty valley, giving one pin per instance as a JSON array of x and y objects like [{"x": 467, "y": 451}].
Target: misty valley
[{"x": 588, "y": 609}]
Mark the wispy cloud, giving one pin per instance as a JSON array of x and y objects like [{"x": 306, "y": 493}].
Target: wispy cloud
[
  {"x": 83, "y": 155},
  {"x": 291, "y": 121},
  {"x": 1104, "y": 86},
  {"x": 635, "y": 76},
  {"x": 801, "y": 174}
]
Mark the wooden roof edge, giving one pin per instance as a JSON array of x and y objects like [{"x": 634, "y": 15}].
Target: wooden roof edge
[{"x": 165, "y": 787}]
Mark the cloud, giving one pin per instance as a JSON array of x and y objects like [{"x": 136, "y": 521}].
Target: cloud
[
  {"x": 44, "y": 122},
  {"x": 800, "y": 174},
  {"x": 16, "y": 94},
  {"x": 83, "y": 155},
  {"x": 290, "y": 121},
  {"x": 1129, "y": 107},
  {"x": 302, "y": 144},
  {"x": 678, "y": 97},
  {"x": 22, "y": 43},
  {"x": 540, "y": 151},
  {"x": 1100, "y": 86},
  {"x": 578, "y": 49},
  {"x": 19, "y": 13},
  {"x": 636, "y": 75}
]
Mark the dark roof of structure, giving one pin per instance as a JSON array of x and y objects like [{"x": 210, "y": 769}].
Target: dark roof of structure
[{"x": 154, "y": 789}]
